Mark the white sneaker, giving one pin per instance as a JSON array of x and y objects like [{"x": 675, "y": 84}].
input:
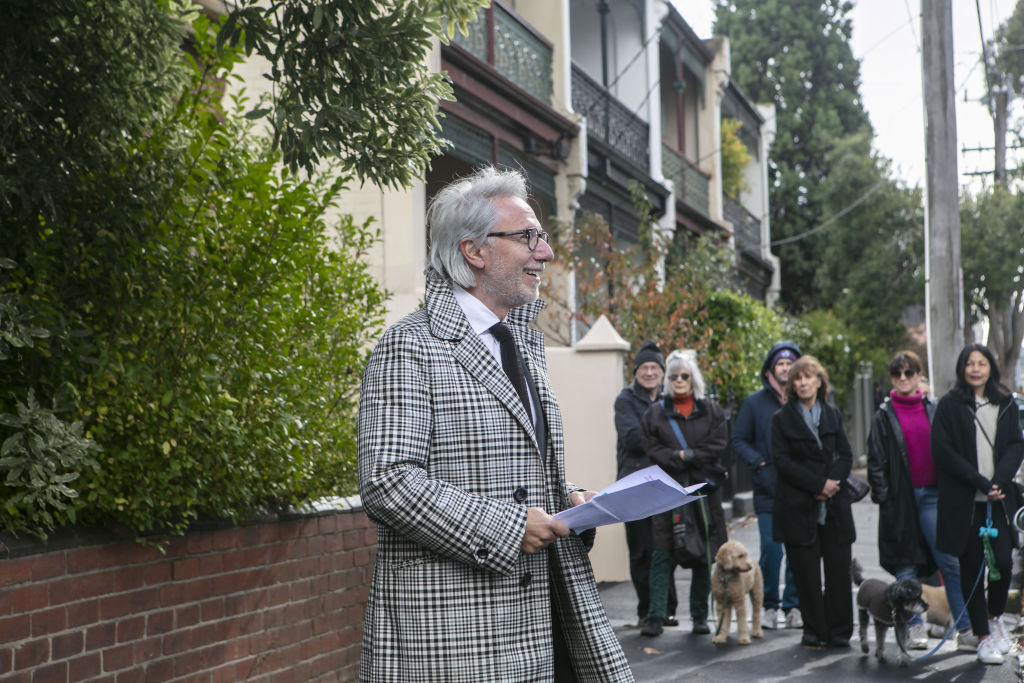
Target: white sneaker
[
  {"x": 966, "y": 641},
  {"x": 988, "y": 653},
  {"x": 770, "y": 619},
  {"x": 917, "y": 637},
  {"x": 793, "y": 619},
  {"x": 998, "y": 634}
]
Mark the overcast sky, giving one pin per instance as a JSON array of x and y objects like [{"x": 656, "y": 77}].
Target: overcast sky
[{"x": 887, "y": 39}]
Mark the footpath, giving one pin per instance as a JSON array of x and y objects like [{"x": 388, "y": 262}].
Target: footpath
[{"x": 678, "y": 655}]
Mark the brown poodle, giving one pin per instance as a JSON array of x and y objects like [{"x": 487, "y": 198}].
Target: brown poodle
[{"x": 734, "y": 577}]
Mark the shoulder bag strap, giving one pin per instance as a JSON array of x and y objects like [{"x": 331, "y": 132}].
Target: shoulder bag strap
[{"x": 676, "y": 429}]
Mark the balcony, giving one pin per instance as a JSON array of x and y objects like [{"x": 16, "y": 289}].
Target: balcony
[
  {"x": 609, "y": 120},
  {"x": 688, "y": 181},
  {"x": 746, "y": 226},
  {"x": 502, "y": 40}
]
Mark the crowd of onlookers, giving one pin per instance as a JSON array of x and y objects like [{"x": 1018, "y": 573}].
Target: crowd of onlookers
[{"x": 942, "y": 473}]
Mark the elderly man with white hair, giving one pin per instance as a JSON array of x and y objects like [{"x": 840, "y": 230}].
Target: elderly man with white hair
[{"x": 461, "y": 465}]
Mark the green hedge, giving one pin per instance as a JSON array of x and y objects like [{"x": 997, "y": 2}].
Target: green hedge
[{"x": 195, "y": 318}]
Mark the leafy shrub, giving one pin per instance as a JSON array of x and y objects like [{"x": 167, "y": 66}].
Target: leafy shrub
[
  {"x": 39, "y": 460},
  {"x": 744, "y": 331},
  {"x": 212, "y": 311}
]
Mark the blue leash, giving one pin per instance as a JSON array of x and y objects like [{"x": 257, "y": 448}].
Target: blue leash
[{"x": 986, "y": 532}]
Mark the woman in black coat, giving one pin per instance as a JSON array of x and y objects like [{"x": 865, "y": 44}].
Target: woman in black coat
[
  {"x": 977, "y": 446},
  {"x": 702, "y": 424},
  {"x": 811, "y": 514},
  {"x": 904, "y": 483}
]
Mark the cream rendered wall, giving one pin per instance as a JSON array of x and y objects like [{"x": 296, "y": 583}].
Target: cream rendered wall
[{"x": 586, "y": 379}]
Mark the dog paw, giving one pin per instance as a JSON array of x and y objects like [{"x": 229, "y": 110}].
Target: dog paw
[
  {"x": 757, "y": 632},
  {"x": 744, "y": 640},
  {"x": 864, "y": 647},
  {"x": 718, "y": 639}
]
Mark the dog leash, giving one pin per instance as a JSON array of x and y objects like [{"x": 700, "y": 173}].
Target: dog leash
[{"x": 986, "y": 532}]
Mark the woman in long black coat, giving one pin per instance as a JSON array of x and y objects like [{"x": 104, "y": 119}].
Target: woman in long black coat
[
  {"x": 811, "y": 515},
  {"x": 702, "y": 424},
  {"x": 977, "y": 447}
]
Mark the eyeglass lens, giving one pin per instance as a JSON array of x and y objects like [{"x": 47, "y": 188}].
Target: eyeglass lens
[{"x": 682, "y": 375}]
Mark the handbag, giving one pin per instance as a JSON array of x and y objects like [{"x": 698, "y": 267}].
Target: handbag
[
  {"x": 857, "y": 487},
  {"x": 689, "y": 540}
]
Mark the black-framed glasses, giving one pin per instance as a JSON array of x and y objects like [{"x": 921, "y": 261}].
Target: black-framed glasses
[
  {"x": 682, "y": 375},
  {"x": 901, "y": 374},
  {"x": 529, "y": 236}
]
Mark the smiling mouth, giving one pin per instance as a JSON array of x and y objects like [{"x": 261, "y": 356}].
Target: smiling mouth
[{"x": 533, "y": 273}]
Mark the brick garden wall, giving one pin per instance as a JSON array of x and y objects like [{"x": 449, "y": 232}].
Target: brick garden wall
[{"x": 280, "y": 601}]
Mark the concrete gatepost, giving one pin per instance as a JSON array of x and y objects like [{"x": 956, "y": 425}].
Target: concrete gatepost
[{"x": 586, "y": 379}]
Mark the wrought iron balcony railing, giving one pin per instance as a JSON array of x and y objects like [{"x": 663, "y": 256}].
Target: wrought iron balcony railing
[
  {"x": 610, "y": 120},
  {"x": 746, "y": 226},
  {"x": 689, "y": 182},
  {"x": 500, "y": 39}
]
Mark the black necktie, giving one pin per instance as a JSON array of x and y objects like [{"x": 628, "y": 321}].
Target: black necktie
[{"x": 511, "y": 363}]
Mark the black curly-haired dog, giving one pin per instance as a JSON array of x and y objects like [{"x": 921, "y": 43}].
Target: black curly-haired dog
[{"x": 889, "y": 604}]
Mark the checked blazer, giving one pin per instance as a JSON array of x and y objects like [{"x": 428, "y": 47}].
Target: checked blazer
[{"x": 448, "y": 464}]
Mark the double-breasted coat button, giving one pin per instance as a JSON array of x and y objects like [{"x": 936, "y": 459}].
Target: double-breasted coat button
[
  {"x": 519, "y": 495},
  {"x": 482, "y": 553},
  {"x": 525, "y": 580}
]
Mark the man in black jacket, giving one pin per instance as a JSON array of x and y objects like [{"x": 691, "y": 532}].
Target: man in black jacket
[{"x": 630, "y": 406}]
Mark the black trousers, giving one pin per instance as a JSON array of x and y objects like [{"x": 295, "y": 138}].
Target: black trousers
[
  {"x": 640, "y": 541},
  {"x": 828, "y": 614},
  {"x": 978, "y": 608}
]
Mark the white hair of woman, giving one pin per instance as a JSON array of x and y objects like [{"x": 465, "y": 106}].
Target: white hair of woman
[
  {"x": 684, "y": 360},
  {"x": 463, "y": 209}
]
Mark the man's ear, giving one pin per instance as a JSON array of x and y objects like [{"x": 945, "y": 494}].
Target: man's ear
[{"x": 473, "y": 253}]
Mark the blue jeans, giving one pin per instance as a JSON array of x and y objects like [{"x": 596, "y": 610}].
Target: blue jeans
[
  {"x": 772, "y": 554},
  {"x": 927, "y": 498}
]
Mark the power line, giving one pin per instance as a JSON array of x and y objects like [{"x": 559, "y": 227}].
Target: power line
[
  {"x": 848, "y": 209},
  {"x": 910, "y": 16}
]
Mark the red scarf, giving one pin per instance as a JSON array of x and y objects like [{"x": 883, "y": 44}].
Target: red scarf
[{"x": 684, "y": 404}]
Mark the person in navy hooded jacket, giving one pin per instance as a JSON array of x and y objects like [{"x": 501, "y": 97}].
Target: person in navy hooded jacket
[{"x": 751, "y": 442}]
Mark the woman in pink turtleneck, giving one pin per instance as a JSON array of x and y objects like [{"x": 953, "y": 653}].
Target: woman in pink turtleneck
[{"x": 904, "y": 484}]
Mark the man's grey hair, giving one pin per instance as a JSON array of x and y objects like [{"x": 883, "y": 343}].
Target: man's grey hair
[
  {"x": 463, "y": 209},
  {"x": 685, "y": 360}
]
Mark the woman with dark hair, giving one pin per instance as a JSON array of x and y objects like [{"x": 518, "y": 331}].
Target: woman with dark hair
[
  {"x": 904, "y": 484},
  {"x": 977, "y": 447},
  {"x": 701, "y": 424},
  {"x": 811, "y": 515}
]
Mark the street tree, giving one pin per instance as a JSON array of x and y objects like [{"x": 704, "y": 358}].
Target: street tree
[
  {"x": 351, "y": 81},
  {"x": 870, "y": 266},
  {"x": 992, "y": 249},
  {"x": 797, "y": 55}
]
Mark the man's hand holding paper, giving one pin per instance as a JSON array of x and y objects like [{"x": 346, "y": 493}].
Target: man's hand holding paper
[{"x": 641, "y": 494}]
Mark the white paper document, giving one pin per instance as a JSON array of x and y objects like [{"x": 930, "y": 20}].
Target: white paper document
[{"x": 638, "y": 495}]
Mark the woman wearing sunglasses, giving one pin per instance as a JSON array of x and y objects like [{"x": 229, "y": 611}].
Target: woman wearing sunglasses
[
  {"x": 685, "y": 415},
  {"x": 904, "y": 483}
]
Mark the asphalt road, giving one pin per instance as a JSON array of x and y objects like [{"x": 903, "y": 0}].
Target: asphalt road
[{"x": 677, "y": 655}]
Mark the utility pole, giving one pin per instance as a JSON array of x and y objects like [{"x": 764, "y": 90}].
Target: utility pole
[
  {"x": 945, "y": 314},
  {"x": 999, "y": 94}
]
